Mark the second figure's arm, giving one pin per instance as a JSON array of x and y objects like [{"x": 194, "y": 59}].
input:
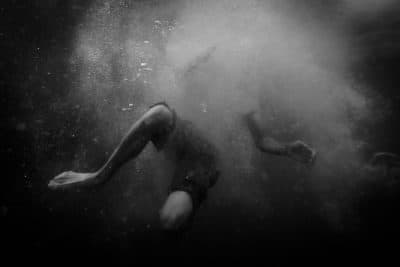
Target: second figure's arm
[{"x": 296, "y": 150}]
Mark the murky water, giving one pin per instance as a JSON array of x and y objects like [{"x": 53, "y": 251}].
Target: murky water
[{"x": 88, "y": 71}]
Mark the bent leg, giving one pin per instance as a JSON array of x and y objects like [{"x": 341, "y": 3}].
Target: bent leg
[{"x": 154, "y": 121}]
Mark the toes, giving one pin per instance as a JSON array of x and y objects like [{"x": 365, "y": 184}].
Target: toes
[
  {"x": 61, "y": 175},
  {"x": 56, "y": 181},
  {"x": 60, "y": 180},
  {"x": 53, "y": 184}
]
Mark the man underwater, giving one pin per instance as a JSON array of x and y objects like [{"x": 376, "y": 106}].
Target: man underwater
[{"x": 194, "y": 156}]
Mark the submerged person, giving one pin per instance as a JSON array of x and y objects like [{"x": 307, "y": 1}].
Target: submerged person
[
  {"x": 297, "y": 150},
  {"x": 195, "y": 158}
]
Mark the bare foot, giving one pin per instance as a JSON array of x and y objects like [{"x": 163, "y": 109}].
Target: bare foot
[
  {"x": 71, "y": 179},
  {"x": 300, "y": 151}
]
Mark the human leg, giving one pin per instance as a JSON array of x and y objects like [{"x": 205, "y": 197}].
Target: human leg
[{"x": 152, "y": 123}]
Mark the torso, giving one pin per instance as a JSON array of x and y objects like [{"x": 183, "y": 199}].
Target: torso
[{"x": 187, "y": 143}]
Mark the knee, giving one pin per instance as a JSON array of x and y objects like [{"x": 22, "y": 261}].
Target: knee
[
  {"x": 169, "y": 222},
  {"x": 159, "y": 115},
  {"x": 176, "y": 211}
]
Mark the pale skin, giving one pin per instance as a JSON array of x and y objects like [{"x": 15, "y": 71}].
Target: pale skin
[
  {"x": 380, "y": 162},
  {"x": 178, "y": 206},
  {"x": 296, "y": 150}
]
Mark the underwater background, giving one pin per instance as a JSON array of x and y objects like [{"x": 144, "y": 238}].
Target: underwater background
[{"x": 76, "y": 74}]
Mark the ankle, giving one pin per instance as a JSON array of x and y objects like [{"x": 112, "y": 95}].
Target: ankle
[{"x": 101, "y": 175}]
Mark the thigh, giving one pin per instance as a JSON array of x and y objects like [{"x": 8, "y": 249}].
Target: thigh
[
  {"x": 176, "y": 210},
  {"x": 195, "y": 178}
]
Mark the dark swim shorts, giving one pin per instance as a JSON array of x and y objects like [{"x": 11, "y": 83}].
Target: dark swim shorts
[{"x": 196, "y": 158}]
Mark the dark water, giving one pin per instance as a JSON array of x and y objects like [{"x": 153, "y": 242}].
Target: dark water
[{"x": 60, "y": 111}]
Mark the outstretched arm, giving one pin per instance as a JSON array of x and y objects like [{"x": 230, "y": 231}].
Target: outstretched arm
[
  {"x": 264, "y": 143},
  {"x": 296, "y": 150},
  {"x": 152, "y": 122}
]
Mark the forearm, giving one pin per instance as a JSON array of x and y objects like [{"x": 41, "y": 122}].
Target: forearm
[
  {"x": 272, "y": 146},
  {"x": 296, "y": 150}
]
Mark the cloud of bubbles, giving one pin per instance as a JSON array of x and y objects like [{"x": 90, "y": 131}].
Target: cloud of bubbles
[{"x": 291, "y": 69}]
